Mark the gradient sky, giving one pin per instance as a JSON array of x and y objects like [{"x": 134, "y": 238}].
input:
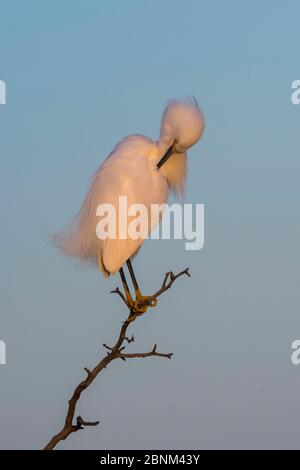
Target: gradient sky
[{"x": 80, "y": 75}]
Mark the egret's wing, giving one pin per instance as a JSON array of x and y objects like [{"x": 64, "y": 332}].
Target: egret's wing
[
  {"x": 132, "y": 178},
  {"x": 126, "y": 172}
]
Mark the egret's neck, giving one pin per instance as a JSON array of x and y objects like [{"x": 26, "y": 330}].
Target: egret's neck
[{"x": 174, "y": 170}]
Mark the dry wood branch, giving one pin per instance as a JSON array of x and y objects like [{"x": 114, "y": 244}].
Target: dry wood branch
[
  {"x": 129, "y": 340},
  {"x": 146, "y": 354},
  {"x": 168, "y": 281},
  {"x": 115, "y": 352}
]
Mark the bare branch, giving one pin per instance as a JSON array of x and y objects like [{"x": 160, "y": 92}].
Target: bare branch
[
  {"x": 146, "y": 354},
  {"x": 114, "y": 352},
  {"x": 118, "y": 292},
  {"x": 89, "y": 373},
  {"x": 82, "y": 423},
  {"x": 168, "y": 281},
  {"x": 129, "y": 340}
]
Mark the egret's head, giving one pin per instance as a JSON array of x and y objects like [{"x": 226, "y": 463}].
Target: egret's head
[{"x": 181, "y": 127}]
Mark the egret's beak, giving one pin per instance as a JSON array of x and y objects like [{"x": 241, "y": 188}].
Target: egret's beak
[{"x": 167, "y": 155}]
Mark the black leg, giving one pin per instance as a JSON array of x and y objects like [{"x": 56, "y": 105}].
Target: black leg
[
  {"x": 125, "y": 285},
  {"x": 132, "y": 275}
]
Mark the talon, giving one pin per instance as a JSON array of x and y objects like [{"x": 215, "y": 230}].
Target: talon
[
  {"x": 140, "y": 305},
  {"x": 137, "y": 307},
  {"x": 143, "y": 301}
]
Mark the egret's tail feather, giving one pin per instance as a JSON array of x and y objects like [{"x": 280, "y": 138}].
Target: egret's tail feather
[{"x": 79, "y": 239}]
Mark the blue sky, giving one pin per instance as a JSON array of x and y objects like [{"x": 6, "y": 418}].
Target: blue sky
[{"x": 80, "y": 75}]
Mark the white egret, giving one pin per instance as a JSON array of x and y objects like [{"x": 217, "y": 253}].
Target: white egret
[{"x": 143, "y": 170}]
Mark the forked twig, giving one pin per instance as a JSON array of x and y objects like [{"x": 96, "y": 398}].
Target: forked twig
[{"x": 115, "y": 352}]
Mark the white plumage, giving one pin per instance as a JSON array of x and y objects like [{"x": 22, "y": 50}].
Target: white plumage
[{"x": 131, "y": 170}]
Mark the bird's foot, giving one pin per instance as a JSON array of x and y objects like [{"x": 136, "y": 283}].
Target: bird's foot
[
  {"x": 144, "y": 301},
  {"x": 140, "y": 305}
]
